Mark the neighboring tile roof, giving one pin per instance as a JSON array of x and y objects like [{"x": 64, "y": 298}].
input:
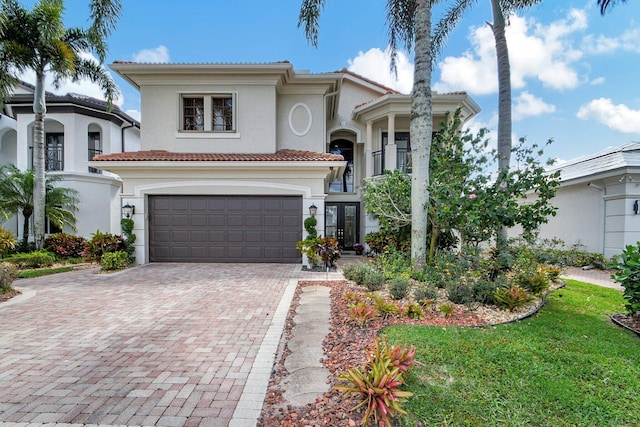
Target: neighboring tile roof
[
  {"x": 612, "y": 158},
  {"x": 167, "y": 156},
  {"x": 373, "y": 82}
]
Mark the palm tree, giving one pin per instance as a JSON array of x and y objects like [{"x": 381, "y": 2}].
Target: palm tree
[
  {"x": 499, "y": 9},
  {"x": 409, "y": 22},
  {"x": 604, "y": 4},
  {"x": 16, "y": 197},
  {"x": 38, "y": 41}
]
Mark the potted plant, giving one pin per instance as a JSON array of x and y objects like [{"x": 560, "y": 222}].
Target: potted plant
[{"x": 358, "y": 247}]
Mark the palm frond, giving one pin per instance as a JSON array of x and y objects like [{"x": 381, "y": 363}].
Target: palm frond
[
  {"x": 86, "y": 68},
  {"x": 401, "y": 27},
  {"x": 448, "y": 22},
  {"x": 309, "y": 17}
]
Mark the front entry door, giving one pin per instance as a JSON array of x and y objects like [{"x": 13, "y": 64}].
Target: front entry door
[{"x": 342, "y": 221}]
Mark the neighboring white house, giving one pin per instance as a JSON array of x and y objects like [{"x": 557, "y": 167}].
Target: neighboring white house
[
  {"x": 598, "y": 201},
  {"x": 234, "y": 155},
  {"x": 77, "y": 128}
]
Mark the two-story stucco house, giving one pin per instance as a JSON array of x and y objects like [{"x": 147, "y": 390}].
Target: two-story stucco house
[
  {"x": 233, "y": 156},
  {"x": 77, "y": 128}
]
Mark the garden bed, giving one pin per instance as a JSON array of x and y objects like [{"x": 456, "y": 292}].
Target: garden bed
[{"x": 344, "y": 348}]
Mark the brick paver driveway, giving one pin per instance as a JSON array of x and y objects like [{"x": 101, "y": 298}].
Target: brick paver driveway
[{"x": 162, "y": 344}]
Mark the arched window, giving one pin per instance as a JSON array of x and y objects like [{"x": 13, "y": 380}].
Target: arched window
[{"x": 344, "y": 183}]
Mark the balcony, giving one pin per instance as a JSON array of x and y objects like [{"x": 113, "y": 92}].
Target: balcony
[{"x": 403, "y": 160}]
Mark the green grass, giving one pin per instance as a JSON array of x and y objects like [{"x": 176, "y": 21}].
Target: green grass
[
  {"x": 27, "y": 274},
  {"x": 566, "y": 366}
]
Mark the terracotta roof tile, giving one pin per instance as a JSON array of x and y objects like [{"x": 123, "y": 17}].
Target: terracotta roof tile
[{"x": 167, "y": 156}]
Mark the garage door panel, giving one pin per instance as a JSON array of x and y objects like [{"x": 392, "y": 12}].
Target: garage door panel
[{"x": 224, "y": 228}]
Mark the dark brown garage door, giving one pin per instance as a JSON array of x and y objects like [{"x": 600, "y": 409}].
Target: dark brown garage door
[{"x": 224, "y": 228}]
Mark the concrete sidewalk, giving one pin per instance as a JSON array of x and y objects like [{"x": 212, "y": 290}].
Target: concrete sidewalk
[{"x": 594, "y": 276}]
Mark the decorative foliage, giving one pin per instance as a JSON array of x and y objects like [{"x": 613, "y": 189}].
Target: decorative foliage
[
  {"x": 7, "y": 241},
  {"x": 361, "y": 314},
  {"x": 414, "y": 311},
  {"x": 512, "y": 298},
  {"x": 114, "y": 260},
  {"x": 627, "y": 273},
  {"x": 65, "y": 245},
  {"x": 37, "y": 259},
  {"x": 127, "y": 224},
  {"x": 377, "y": 384},
  {"x": 446, "y": 309},
  {"x": 102, "y": 243},
  {"x": 328, "y": 250}
]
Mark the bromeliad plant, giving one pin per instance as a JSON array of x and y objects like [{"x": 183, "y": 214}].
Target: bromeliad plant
[{"x": 377, "y": 384}]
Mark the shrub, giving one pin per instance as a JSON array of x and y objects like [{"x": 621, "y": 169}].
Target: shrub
[
  {"x": 374, "y": 280},
  {"x": 37, "y": 259},
  {"x": 357, "y": 273},
  {"x": 102, "y": 243},
  {"x": 627, "y": 273},
  {"x": 114, "y": 260},
  {"x": 376, "y": 385},
  {"x": 484, "y": 290},
  {"x": 65, "y": 245},
  {"x": 425, "y": 294},
  {"x": 8, "y": 273},
  {"x": 328, "y": 250},
  {"x": 394, "y": 263},
  {"x": 7, "y": 241},
  {"x": 307, "y": 247},
  {"x": 461, "y": 293},
  {"x": 428, "y": 275},
  {"x": 383, "y": 240},
  {"x": 399, "y": 287},
  {"x": 512, "y": 298}
]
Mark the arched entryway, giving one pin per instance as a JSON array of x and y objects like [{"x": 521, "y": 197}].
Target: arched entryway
[{"x": 344, "y": 183}]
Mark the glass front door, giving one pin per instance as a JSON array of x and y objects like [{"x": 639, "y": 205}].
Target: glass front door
[{"x": 342, "y": 221}]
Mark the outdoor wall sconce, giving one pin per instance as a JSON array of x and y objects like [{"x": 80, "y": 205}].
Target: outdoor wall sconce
[
  {"x": 128, "y": 211},
  {"x": 635, "y": 207},
  {"x": 313, "y": 210}
]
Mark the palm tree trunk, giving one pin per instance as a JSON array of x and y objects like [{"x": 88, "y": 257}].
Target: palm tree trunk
[
  {"x": 39, "y": 189},
  {"x": 26, "y": 214},
  {"x": 421, "y": 130},
  {"x": 504, "y": 102}
]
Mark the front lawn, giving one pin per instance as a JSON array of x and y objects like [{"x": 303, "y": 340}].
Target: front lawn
[{"x": 566, "y": 366}]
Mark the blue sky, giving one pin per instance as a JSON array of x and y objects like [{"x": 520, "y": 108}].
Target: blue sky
[{"x": 574, "y": 73}]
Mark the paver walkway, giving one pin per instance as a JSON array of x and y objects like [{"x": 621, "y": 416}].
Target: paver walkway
[{"x": 161, "y": 344}]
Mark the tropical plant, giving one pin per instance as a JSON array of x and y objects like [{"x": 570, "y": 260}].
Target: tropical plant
[
  {"x": 35, "y": 259},
  {"x": 627, "y": 273},
  {"x": 328, "y": 250},
  {"x": 114, "y": 260},
  {"x": 16, "y": 196},
  {"x": 499, "y": 9},
  {"x": 605, "y": 4},
  {"x": 38, "y": 41},
  {"x": 361, "y": 313},
  {"x": 102, "y": 243},
  {"x": 512, "y": 298},
  {"x": 65, "y": 245},
  {"x": 409, "y": 22},
  {"x": 399, "y": 287},
  {"x": 7, "y": 241},
  {"x": 377, "y": 384}
]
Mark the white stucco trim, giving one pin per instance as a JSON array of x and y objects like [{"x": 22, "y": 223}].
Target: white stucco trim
[
  {"x": 346, "y": 127},
  {"x": 309, "y": 119},
  {"x": 305, "y": 191}
]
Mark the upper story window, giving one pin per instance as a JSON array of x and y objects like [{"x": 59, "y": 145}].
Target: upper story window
[
  {"x": 95, "y": 148},
  {"x": 208, "y": 113},
  {"x": 54, "y": 152}
]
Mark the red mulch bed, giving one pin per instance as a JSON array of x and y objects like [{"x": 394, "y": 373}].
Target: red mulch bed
[
  {"x": 344, "y": 348},
  {"x": 8, "y": 295}
]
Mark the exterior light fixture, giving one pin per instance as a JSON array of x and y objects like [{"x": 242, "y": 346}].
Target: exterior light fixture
[
  {"x": 128, "y": 211},
  {"x": 313, "y": 210}
]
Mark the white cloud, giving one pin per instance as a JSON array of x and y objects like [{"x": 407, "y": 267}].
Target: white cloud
[
  {"x": 617, "y": 117},
  {"x": 134, "y": 114},
  {"x": 156, "y": 55},
  {"x": 82, "y": 87},
  {"x": 629, "y": 41},
  {"x": 375, "y": 64},
  {"x": 597, "y": 81},
  {"x": 528, "y": 105},
  {"x": 536, "y": 51}
]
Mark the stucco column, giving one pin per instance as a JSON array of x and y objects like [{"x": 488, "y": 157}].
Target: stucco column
[
  {"x": 390, "y": 151},
  {"x": 368, "y": 152}
]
